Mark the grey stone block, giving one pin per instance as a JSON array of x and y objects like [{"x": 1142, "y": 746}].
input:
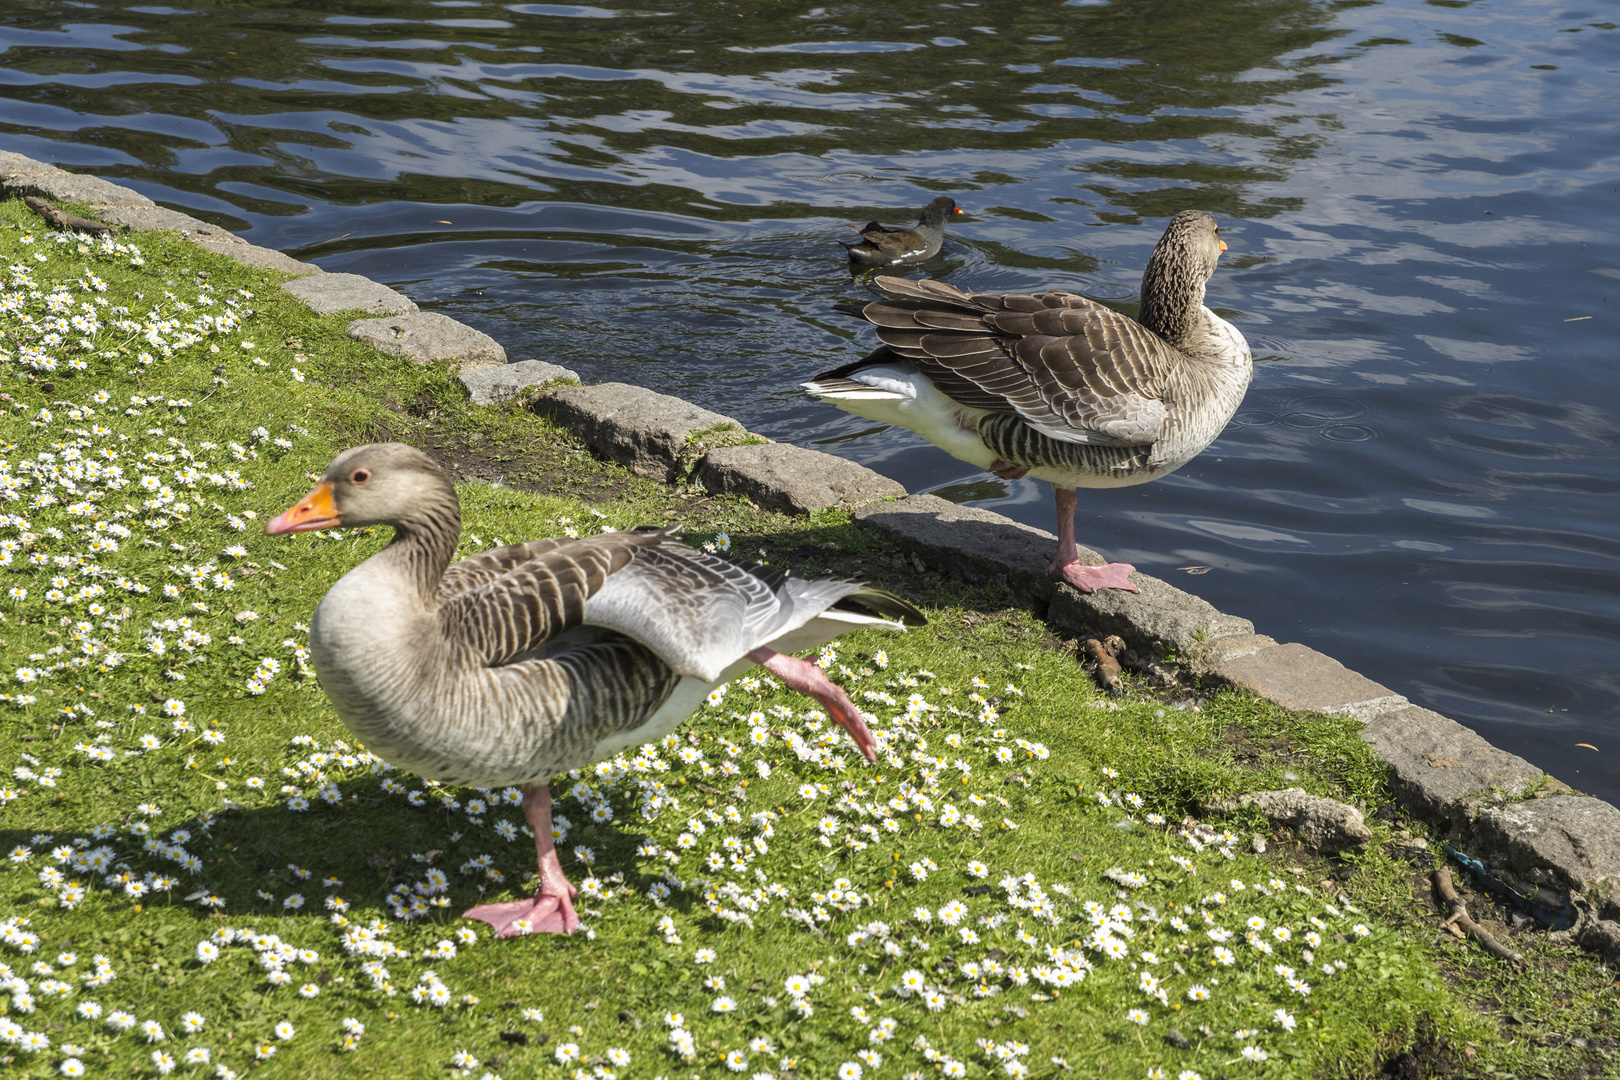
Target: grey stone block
[
  {"x": 1304, "y": 680},
  {"x": 1323, "y": 824},
  {"x": 1159, "y": 617},
  {"x": 1436, "y": 763},
  {"x": 1203, "y": 657},
  {"x": 255, "y": 256},
  {"x": 426, "y": 336},
  {"x": 1602, "y": 936},
  {"x": 792, "y": 479},
  {"x": 491, "y": 385},
  {"x": 973, "y": 545},
  {"x": 1565, "y": 844},
  {"x": 653, "y": 435},
  {"x": 160, "y": 217},
  {"x": 328, "y": 294},
  {"x": 24, "y": 176},
  {"x": 12, "y": 163}
]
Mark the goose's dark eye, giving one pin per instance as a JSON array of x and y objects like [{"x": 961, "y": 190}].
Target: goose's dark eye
[{"x": 359, "y": 476}]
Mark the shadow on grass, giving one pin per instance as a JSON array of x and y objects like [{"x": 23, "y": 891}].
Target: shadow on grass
[{"x": 364, "y": 850}]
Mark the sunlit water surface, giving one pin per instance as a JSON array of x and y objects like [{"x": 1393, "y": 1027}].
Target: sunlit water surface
[{"x": 1420, "y": 200}]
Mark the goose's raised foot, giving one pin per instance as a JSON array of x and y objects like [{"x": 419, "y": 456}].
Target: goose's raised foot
[
  {"x": 547, "y": 913},
  {"x": 1008, "y": 471},
  {"x": 811, "y": 681},
  {"x": 1089, "y": 579}
]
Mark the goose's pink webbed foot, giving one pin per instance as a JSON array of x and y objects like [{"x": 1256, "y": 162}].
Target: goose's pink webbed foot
[
  {"x": 1089, "y": 579},
  {"x": 1067, "y": 564},
  {"x": 551, "y": 911}
]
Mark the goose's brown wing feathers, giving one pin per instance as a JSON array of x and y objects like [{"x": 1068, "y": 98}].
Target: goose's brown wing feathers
[
  {"x": 1076, "y": 370},
  {"x": 508, "y": 603},
  {"x": 696, "y": 612}
]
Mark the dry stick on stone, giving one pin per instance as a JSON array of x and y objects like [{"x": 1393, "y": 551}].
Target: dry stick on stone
[
  {"x": 1459, "y": 916},
  {"x": 64, "y": 220}
]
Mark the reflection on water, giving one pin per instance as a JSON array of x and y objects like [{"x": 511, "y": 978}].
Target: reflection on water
[{"x": 1418, "y": 197}]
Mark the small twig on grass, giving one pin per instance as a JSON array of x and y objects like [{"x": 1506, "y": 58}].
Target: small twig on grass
[
  {"x": 1459, "y": 917},
  {"x": 64, "y": 220}
]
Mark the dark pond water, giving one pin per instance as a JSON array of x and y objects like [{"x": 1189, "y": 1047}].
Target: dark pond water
[{"x": 1420, "y": 198}]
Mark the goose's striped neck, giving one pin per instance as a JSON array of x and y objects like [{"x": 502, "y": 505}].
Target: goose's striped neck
[
  {"x": 425, "y": 542},
  {"x": 1172, "y": 295}
]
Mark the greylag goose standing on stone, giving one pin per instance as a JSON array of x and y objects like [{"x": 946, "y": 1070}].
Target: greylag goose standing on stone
[
  {"x": 516, "y": 664},
  {"x": 880, "y": 245},
  {"x": 1055, "y": 386}
]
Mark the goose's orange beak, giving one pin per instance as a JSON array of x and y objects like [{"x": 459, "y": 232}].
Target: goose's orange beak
[
  {"x": 1223, "y": 245},
  {"x": 314, "y": 511}
]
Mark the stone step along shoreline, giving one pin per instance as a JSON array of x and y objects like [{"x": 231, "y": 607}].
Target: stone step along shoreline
[{"x": 1523, "y": 832}]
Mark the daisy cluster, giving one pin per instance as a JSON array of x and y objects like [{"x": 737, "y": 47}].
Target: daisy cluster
[
  {"x": 100, "y": 514},
  {"x": 82, "y": 1017}
]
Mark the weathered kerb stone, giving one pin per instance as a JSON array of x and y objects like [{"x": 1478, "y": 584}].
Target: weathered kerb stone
[
  {"x": 1565, "y": 844},
  {"x": 1436, "y": 763},
  {"x": 156, "y": 217},
  {"x": 426, "y": 336},
  {"x": 24, "y": 176},
  {"x": 492, "y": 385},
  {"x": 1323, "y": 824},
  {"x": 973, "y": 545},
  {"x": 1303, "y": 680},
  {"x": 328, "y": 294},
  {"x": 792, "y": 479},
  {"x": 1602, "y": 936},
  {"x": 977, "y": 545},
  {"x": 653, "y": 435},
  {"x": 1203, "y": 657},
  {"x": 1160, "y": 617},
  {"x": 247, "y": 254},
  {"x": 118, "y": 205}
]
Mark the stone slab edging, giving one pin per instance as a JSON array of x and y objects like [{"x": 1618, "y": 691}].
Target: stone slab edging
[{"x": 1520, "y": 829}]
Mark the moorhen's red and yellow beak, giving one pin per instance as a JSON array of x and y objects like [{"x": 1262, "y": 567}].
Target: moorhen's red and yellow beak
[{"x": 314, "y": 511}]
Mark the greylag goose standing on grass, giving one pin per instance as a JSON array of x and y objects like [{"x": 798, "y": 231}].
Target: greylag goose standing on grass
[
  {"x": 1055, "y": 386},
  {"x": 516, "y": 664},
  {"x": 880, "y": 245}
]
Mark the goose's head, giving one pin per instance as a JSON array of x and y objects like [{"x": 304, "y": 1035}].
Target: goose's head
[
  {"x": 1193, "y": 240},
  {"x": 379, "y": 484}
]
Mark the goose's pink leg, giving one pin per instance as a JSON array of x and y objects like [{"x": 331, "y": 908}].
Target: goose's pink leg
[
  {"x": 1008, "y": 472},
  {"x": 1067, "y": 564},
  {"x": 552, "y": 909},
  {"x": 810, "y": 680}
]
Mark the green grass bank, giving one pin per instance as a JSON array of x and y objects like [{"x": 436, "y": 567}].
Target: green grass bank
[{"x": 208, "y": 876}]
